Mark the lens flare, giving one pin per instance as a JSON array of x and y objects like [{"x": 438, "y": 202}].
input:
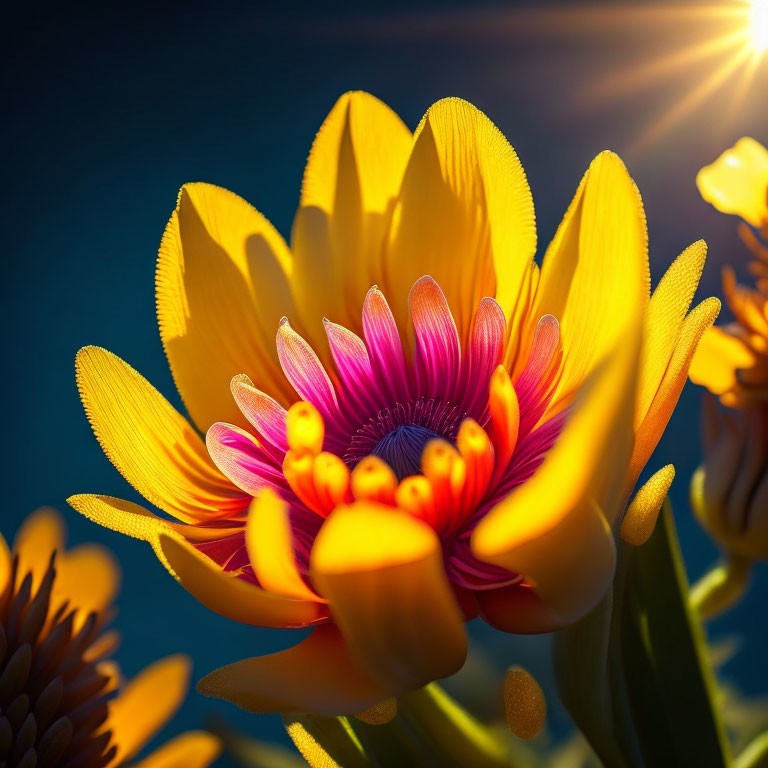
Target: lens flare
[{"x": 758, "y": 26}]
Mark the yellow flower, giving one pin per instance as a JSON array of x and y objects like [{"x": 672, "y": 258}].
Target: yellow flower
[
  {"x": 737, "y": 182},
  {"x": 62, "y": 700},
  {"x": 468, "y": 429}
]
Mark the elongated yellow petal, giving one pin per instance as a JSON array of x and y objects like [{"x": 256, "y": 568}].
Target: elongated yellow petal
[
  {"x": 737, "y": 182},
  {"x": 663, "y": 319},
  {"x": 194, "y": 749},
  {"x": 668, "y": 393},
  {"x": 227, "y": 593},
  {"x": 222, "y": 286},
  {"x": 464, "y": 216},
  {"x": 593, "y": 270},
  {"x": 146, "y": 704},
  {"x": 365, "y": 561},
  {"x": 524, "y": 703},
  {"x": 640, "y": 517},
  {"x": 578, "y": 485},
  {"x": 318, "y": 675},
  {"x": 40, "y": 535},
  {"x": 353, "y": 173},
  {"x": 719, "y": 355},
  {"x": 152, "y": 445},
  {"x": 270, "y": 548}
]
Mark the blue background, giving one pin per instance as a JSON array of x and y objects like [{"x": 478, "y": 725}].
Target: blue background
[{"x": 108, "y": 111}]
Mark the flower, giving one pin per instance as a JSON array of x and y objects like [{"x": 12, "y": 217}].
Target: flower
[
  {"x": 467, "y": 431},
  {"x": 62, "y": 699},
  {"x": 737, "y": 182},
  {"x": 729, "y": 492}
]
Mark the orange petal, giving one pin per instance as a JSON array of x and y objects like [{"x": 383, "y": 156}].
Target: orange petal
[
  {"x": 146, "y": 703},
  {"x": 194, "y": 749},
  {"x": 518, "y": 610},
  {"x": 367, "y": 560},
  {"x": 226, "y": 593},
  {"x": 718, "y": 357},
  {"x": 318, "y": 675},
  {"x": 40, "y": 535}
]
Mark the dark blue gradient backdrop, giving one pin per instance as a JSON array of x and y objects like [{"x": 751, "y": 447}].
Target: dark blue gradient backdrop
[{"x": 107, "y": 112}]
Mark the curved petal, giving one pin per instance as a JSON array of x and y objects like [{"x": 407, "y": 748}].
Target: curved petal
[
  {"x": 146, "y": 704},
  {"x": 5, "y": 565},
  {"x": 382, "y": 573},
  {"x": 88, "y": 577},
  {"x": 319, "y": 675},
  {"x": 353, "y": 174},
  {"x": 40, "y": 535},
  {"x": 194, "y": 749},
  {"x": 641, "y": 515},
  {"x": 718, "y": 357},
  {"x": 239, "y": 456},
  {"x": 665, "y": 400},
  {"x": 228, "y": 595},
  {"x": 269, "y": 541},
  {"x": 152, "y": 445},
  {"x": 464, "y": 215},
  {"x": 566, "y": 549},
  {"x": 265, "y": 414},
  {"x": 737, "y": 182},
  {"x": 594, "y": 269},
  {"x": 663, "y": 318},
  {"x": 222, "y": 285}
]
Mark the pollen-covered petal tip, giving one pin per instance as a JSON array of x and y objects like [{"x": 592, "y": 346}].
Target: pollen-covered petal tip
[{"x": 640, "y": 517}]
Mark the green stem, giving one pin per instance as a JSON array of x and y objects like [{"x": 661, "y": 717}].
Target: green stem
[
  {"x": 721, "y": 588},
  {"x": 755, "y": 755},
  {"x": 451, "y": 731}
]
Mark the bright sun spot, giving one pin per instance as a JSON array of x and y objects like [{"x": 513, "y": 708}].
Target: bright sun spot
[{"x": 758, "y": 25}]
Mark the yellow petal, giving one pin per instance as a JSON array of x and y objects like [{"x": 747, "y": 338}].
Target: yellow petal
[
  {"x": 382, "y": 572},
  {"x": 718, "y": 357},
  {"x": 650, "y": 431},
  {"x": 353, "y": 173},
  {"x": 88, "y": 577},
  {"x": 464, "y": 216},
  {"x": 319, "y": 675},
  {"x": 118, "y": 515},
  {"x": 152, "y": 445},
  {"x": 737, "y": 182},
  {"x": 566, "y": 549},
  {"x": 663, "y": 318},
  {"x": 194, "y": 749},
  {"x": 640, "y": 517},
  {"x": 146, "y": 703},
  {"x": 269, "y": 541},
  {"x": 595, "y": 273},
  {"x": 222, "y": 286},
  {"x": 228, "y": 594},
  {"x": 39, "y": 536}
]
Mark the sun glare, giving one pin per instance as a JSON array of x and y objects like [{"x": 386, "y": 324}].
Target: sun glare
[{"x": 758, "y": 25}]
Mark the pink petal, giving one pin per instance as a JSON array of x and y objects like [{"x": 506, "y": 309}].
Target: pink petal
[
  {"x": 384, "y": 346},
  {"x": 484, "y": 353},
  {"x": 437, "y": 352},
  {"x": 242, "y": 459},
  {"x": 266, "y": 415},
  {"x": 305, "y": 371}
]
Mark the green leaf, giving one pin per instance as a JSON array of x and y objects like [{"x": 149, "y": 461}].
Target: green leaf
[{"x": 635, "y": 673}]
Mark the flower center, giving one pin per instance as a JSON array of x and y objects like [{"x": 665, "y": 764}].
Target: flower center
[
  {"x": 398, "y": 434},
  {"x": 402, "y": 448}
]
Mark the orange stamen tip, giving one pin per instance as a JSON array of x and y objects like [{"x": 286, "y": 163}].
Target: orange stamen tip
[
  {"x": 524, "y": 703},
  {"x": 305, "y": 429},
  {"x": 379, "y": 714},
  {"x": 374, "y": 480}
]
